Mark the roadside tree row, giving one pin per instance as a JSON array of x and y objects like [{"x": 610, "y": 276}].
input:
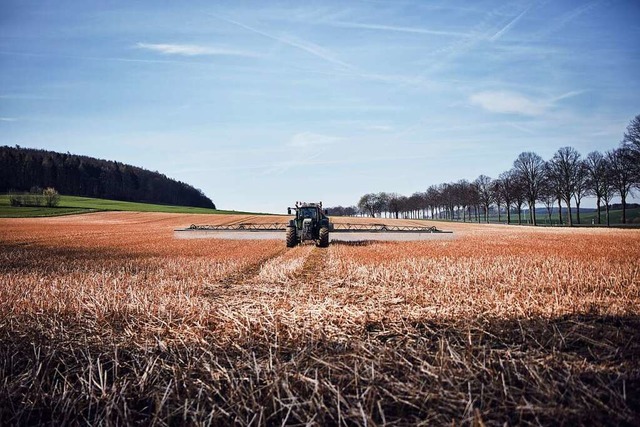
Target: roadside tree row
[{"x": 562, "y": 181}]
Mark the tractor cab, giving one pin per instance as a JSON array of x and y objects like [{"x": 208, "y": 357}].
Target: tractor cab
[{"x": 308, "y": 212}]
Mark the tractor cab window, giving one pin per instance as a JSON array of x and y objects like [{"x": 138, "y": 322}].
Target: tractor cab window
[{"x": 308, "y": 213}]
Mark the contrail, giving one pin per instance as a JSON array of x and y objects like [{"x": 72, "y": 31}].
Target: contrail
[
  {"x": 308, "y": 47},
  {"x": 567, "y": 18},
  {"x": 507, "y": 27},
  {"x": 396, "y": 29}
]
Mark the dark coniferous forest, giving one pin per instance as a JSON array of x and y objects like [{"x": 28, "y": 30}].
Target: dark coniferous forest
[{"x": 70, "y": 174}]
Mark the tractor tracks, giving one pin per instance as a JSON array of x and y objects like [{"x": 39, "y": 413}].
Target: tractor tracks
[
  {"x": 226, "y": 285},
  {"x": 314, "y": 265},
  {"x": 300, "y": 266}
]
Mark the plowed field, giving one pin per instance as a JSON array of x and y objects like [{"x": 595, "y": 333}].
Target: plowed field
[{"x": 109, "y": 318}]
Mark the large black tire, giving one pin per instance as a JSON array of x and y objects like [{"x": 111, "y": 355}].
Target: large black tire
[
  {"x": 292, "y": 239},
  {"x": 323, "y": 240}
]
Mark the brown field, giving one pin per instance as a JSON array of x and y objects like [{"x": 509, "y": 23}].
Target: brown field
[{"x": 107, "y": 318}]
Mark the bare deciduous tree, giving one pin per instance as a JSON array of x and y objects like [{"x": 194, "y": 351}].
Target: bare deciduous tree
[
  {"x": 530, "y": 167},
  {"x": 596, "y": 178},
  {"x": 632, "y": 135},
  {"x": 432, "y": 195},
  {"x": 496, "y": 197},
  {"x": 621, "y": 175},
  {"x": 367, "y": 204},
  {"x": 548, "y": 197},
  {"x": 564, "y": 178},
  {"x": 631, "y": 141},
  {"x": 582, "y": 188},
  {"x": 483, "y": 184},
  {"x": 382, "y": 203},
  {"x": 563, "y": 172},
  {"x": 519, "y": 195},
  {"x": 507, "y": 185},
  {"x": 608, "y": 188},
  {"x": 394, "y": 204}
]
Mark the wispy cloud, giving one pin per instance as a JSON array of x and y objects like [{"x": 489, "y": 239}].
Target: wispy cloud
[
  {"x": 99, "y": 58},
  {"x": 379, "y": 128},
  {"x": 8, "y": 119},
  {"x": 310, "y": 139},
  {"x": 400, "y": 29},
  {"x": 509, "y": 25},
  {"x": 192, "y": 50},
  {"x": 516, "y": 103},
  {"x": 306, "y": 158},
  {"x": 521, "y": 128},
  {"x": 348, "y": 107},
  {"x": 507, "y": 102},
  {"x": 306, "y": 46},
  {"x": 566, "y": 95},
  {"x": 308, "y": 147}
]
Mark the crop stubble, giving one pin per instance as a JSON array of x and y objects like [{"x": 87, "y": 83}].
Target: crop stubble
[{"x": 108, "y": 318}]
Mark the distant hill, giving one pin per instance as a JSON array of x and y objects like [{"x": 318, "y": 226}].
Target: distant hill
[{"x": 24, "y": 168}]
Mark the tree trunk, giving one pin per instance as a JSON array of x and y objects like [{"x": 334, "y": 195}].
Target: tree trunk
[
  {"x": 607, "y": 214},
  {"x": 519, "y": 215},
  {"x": 568, "y": 200},
  {"x": 598, "y": 206},
  {"x": 577, "y": 212},
  {"x": 499, "y": 214},
  {"x": 532, "y": 212},
  {"x": 560, "y": 210},
  {"x": 624, "y": 207},
  {"x": 508, "y": 214}
]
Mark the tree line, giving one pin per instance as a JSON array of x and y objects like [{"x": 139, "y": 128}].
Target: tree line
[
  {"x": 24, "y": 168},
  {"x": 565, "y": 179}
]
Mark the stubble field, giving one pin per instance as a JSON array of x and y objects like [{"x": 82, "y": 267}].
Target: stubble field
[{"x": 107, "y": 318}]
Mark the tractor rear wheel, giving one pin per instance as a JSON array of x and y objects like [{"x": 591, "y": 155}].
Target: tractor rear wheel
[
  {"x": 323, "y": 240},
  {"x": 292, "y": 239}
]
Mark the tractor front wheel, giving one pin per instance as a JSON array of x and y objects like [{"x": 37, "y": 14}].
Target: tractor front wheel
[
  {"x": 292, "y": 239},
  {"x": 323, "y": 240}
]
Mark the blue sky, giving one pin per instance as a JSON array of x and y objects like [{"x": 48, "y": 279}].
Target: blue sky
[{"x": 260, "y": 104}]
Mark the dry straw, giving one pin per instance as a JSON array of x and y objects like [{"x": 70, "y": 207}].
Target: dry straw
[{"x": 108, "y": 319}]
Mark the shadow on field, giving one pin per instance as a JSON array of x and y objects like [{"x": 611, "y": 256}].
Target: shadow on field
[
  {"x": 571, "y": 370},
  {"x": 21, "y": 257}
]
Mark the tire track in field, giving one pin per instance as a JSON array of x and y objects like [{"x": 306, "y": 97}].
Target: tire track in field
[
  {"x": 227, "y": 285},
  {"x": 295, "y": 267},
  {"x": 285, "y": 267},
  {"x": 314, "y": 267}
]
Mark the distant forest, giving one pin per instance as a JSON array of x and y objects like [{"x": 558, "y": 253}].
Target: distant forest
[{"x": 70, "y": 174}]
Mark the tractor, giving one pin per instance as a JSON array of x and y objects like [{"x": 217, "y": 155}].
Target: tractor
[{"x": 311, "y": 223}]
